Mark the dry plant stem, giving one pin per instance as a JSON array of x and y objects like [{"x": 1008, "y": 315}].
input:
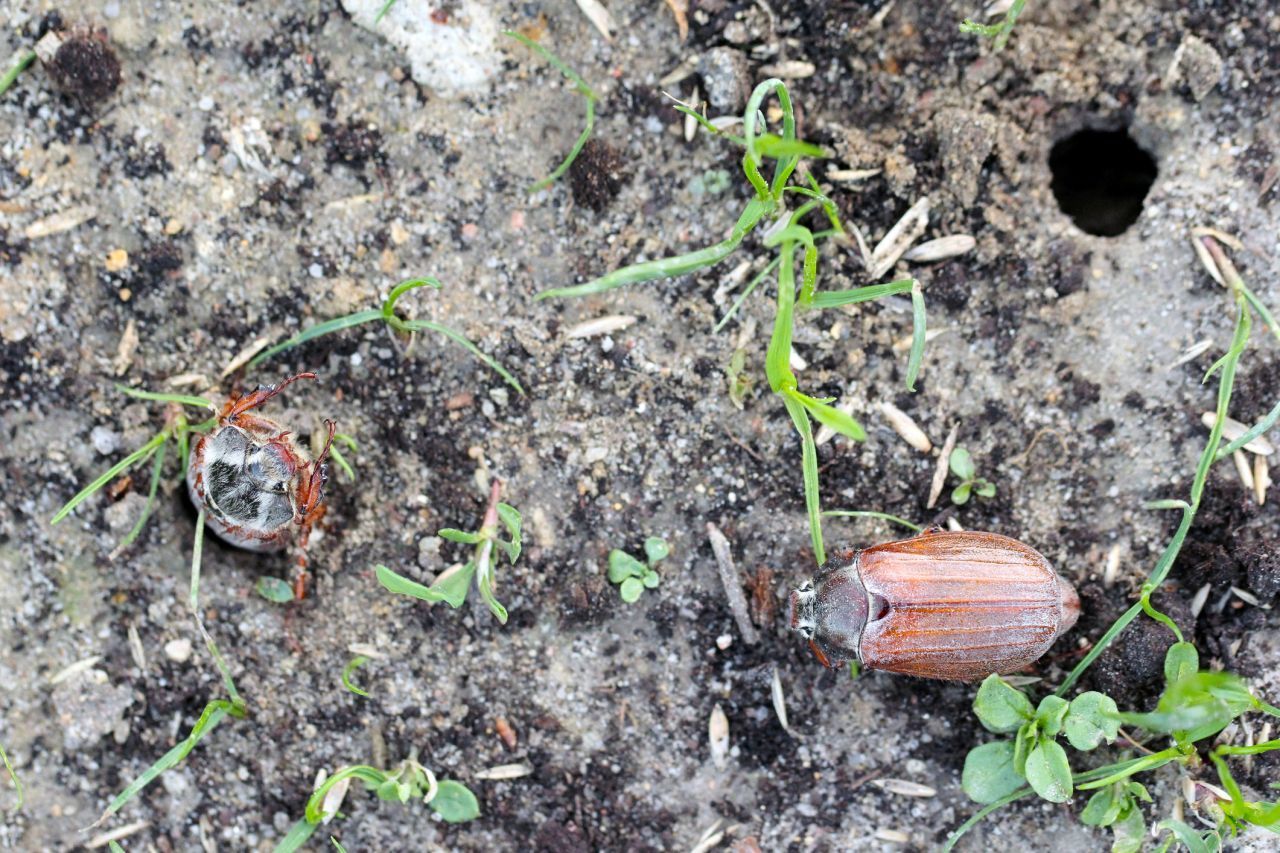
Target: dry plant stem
[{"x": 732, "y": 584}]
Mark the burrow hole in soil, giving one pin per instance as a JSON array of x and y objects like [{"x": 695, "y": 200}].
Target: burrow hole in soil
[{"x": 1100, "y": 178}]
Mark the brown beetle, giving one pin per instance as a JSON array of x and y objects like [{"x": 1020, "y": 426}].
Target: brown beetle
[{"x": 957, "y": 606}]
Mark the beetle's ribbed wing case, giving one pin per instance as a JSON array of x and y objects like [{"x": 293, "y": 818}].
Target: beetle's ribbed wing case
[{"x": 959, "y": 605}]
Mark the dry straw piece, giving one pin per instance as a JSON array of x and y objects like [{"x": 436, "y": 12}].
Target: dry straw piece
[
  {"x": 1233, "y": 429},
  {"x": 904, "y": 426}
]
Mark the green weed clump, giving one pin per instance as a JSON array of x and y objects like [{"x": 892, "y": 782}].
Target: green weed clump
[
  {"x": 453, "y": 585},
  {"x": 1194, "y": 708},
  {"x": 634, "y": 576},
  {"x": 784, "y": 233},
  {"x": 1000, "y": 32}
]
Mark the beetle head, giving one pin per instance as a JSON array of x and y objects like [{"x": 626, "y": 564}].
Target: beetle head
[{"x": 831, "y": 611}]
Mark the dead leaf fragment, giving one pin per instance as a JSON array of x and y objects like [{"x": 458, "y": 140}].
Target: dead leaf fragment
[
  {"x": 680, "y": 9},
  {"x": 599, "y": 16}
]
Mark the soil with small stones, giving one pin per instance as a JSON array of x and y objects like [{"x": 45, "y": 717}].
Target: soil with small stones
[{"x": 245, "y": 171}]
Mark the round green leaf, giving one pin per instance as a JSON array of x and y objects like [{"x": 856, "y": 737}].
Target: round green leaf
[
  {"x": 651, "y": 580},
  {"x": 960, "y": 494},
  {"x": 988, "y": 772},
  {"x": 1091, "y": 720},
  {"x": 962, "y": 464},
  {"x": 1180, "y": 661},
  {"x": 1001, "y": 707},
  {"x": 655, "y": 549},
  {"x": 622, "y": 566},
  {"x": 1103, "y": 807},
  {"x": 1050, "y": 714},
  {"x": 985, "y": 489},
  {"x": 1129, "y": 831},
  {"x": 274, "y": 589},
  {"x": 1049, "y": 772},
  {"x": 455, "y": 803},
  {"x": 631, "y": 589}
]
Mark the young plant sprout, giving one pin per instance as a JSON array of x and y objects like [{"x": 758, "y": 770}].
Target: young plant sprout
[
  {"x": 783, "y": 233},
  {"x": 962, "y": 466},
  {"x": 453, "y": 585},
  {"x": 1000, "y": 32},
  {"x": 1195, "y": 706},
  {"x": 583, "y": 89},
  {"x": 387, "y": 314},
  {"x": 634, "y": 577},
  {"x": 409, "y": 780}
]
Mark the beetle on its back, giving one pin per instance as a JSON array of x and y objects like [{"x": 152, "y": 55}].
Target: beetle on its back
[{"x": 940, "y": 605}]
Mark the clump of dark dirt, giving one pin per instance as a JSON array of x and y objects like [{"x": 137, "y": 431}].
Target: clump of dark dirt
[
  {"x": 596, "y": 175},
  {"x": 86, "y": 67},
  {"x": 353, "y": 144},
  {"x": 157, "y": 261}
]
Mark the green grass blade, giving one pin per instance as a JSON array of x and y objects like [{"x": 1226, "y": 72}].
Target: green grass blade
[
  {"x": 556, "y": 62},
  {"x": 23, "y": 58},
  {"x": 1253, "y": 432},
  {"x": 777, "y": 360},
  {"x": 979, "y": 815},
  {"x": 674, "y": 266},
  {"x": 578, "y": 145},
  {"x": 464, "y": 342},
  {"x": 809, "y": 465},
  {"x": 371, "y": 776},
  {"x": 389, "y": 306},
  {"x": 917, "y": 335},
  {"x": 184, "y": 399},
  {"x": 867, "y": 513},
  {"x": 352, "y": 665},
  {"x": 301, "y": 831},
  {"x": 386, "y": 7},
  {"x": 343, "y": 465},
  {"x": 320, "y": 330},
  {"x": 737, "y": 303},
  {"x": 136, "y": 456},
  {"x": 836, "y": 298},
  {"x": 1268, "y": 318},
  {"x": 13, "y": 776},
  {"x": 213, "y": 713},
  {"x": 151, "y": 499},
  {"x": 193, "y": 600},
  {"x": 830, "y": 416}
]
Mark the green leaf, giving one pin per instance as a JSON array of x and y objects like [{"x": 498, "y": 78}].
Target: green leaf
[
  {"x": 1049, "y": 772},
  {"x": 1180, "y": 661},
  {"x": 510, "y": 517},
  {"x": 1137, "y": 791},
  {"x": 985, "y": 488},
  {"x": 451, "y": 587},
  {"x": 1129, "y": 831},
  {"x": 830, "y": 416},
  {"x": 1103, "y": 807},
  {"x": 296, "y": 836},
  {"x": 1050, "y": 714},
  {"x": 989, "y": 773},
  {"x": 352, "y": 665},
  {"x": 274, "y": 589},
  {"x": 1001, "y": 707},
  {"x": 1199, "y": 705},
  {"x": 916, "y": 358},
  {"x": 1091, "y": 720},
  {"x": 962, "y": 464},
  {"x": 631, "y": 589},
  {"x": 1191, "y": 839},
  {"x": 651, "y": 580},
  {"x": 655, "y": 549},
  {"x": 393, "y": 790},
  {"x": 1023, "y": 741},
  {"x": 485, "y": 584},
  {"x": 463, "y": 536},
  {"x": 960, "y": 494},
  {"x": 455, "y": 803},
  {"x": 622, "y": 566}
]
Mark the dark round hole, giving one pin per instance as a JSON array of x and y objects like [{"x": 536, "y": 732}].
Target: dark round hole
[{"x": 1100, "y": 178}]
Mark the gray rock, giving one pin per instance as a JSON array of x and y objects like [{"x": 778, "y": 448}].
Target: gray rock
[{"x": 726, "y": 76}]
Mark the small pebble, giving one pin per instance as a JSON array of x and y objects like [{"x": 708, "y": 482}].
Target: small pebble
[
  {"x": 205, "y": 104},
  {"x": 315, "y": 271},
  {"x": 104, "y": 440},
  {"x": 178, "y": 650},
  {"x": 723, "y": 642}
]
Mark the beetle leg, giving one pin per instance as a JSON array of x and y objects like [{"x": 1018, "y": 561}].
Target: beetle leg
[
  {"x": 311, "y": 490},
  {"x": 252, "y": 400}
]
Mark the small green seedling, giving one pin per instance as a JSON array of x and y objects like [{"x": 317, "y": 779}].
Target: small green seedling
[
  {"x": 739, "y": 380},
  {"x": 998, "y": 32},
  {"x": 452, "y": 586},
  {"x": 339, "y": 457},
  {"x": 583, "y": 89},
  {"x": 634, "y": 577},
  {"x": 962, "y": 466},
  {"x": 13, "y": 777},
  {"x": 352, "y": 665},
  {"x": 24, "y": 57},
  {"x": 769, "y": 210},
  {"x": 452, "y": 800},
  {"x": 387, "y": 314}
]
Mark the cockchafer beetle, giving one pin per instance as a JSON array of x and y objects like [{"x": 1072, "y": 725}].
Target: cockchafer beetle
[
  {"x": 259, "y": 488},
  {"x": 956, "y": 606}
]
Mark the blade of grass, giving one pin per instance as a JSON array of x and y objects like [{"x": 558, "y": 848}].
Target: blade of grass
[
  {"x": 979, "y": 815},
  {"x": 352, "y": 665},
  {"x": 809, "y": 467},
  {"x": 386, "y": 7},
  {"x": 464, "y": 342},
  {"x": 835, "y": 298},
  {"x": 197, "y": 550},
  {"x": 583, "y": 89},
  {"x": 328, "y": 327},
  {"x": 389, "y": 306},
  {"x": 674, "y": 266},
  {"x": 737, "y": 303},
  {"x": 301, "y": 831},
  {"x": 1253, "y": 432},
  {"x": 866, "y": 513},
  {"x": 184, "y": 399},
  {"x": 19, "y": 63},
  {"x": 151, "y": 499},
  {"x": 917, "y": 335},
  {"x": 13, "y": 776},
  {"x": 136, "y": 456}
]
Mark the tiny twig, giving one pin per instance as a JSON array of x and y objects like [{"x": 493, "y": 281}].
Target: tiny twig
[{"x": 732, "y": 584}]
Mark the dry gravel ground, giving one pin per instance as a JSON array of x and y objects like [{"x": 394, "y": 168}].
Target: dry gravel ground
[{"x": 264, "y": 166}]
